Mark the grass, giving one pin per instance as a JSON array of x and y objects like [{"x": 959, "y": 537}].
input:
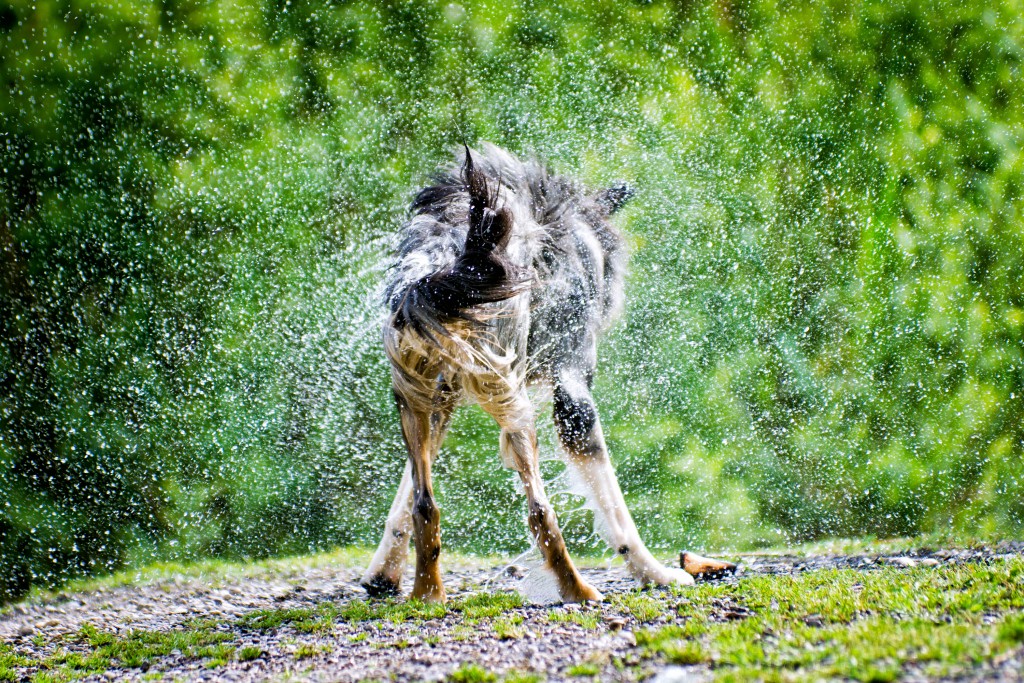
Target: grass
[
  {"x": 321, "y": 618},
  {"x": 584, "y": 669},
  {"x": 865, "y": 626},
  {"x": 587, "y": 619},
  {"x": 214, "y": 572},
  {"x": 303, "y": 619},
  {"x": 509, "y": 628},
  {"x": 307, "y": 650},
  {"x": 472, "y": 673},
  {"x": 95, "y": 652},
  {"x": 249, "y": 653}
]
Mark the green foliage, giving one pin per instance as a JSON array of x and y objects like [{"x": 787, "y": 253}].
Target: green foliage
[{"x": 825, "y": 322}]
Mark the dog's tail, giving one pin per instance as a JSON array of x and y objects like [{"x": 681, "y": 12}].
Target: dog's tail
[{"x": 481, "y": 274}]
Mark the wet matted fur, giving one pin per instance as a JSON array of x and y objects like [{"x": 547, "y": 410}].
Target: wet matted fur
[{"x": 505, "y": 277}]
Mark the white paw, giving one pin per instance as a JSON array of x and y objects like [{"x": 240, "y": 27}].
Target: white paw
[{"x": 668, "y": 576}]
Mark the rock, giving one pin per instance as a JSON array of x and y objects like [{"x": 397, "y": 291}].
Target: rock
[
  {"x": 615, "y": 623},
  {"x": 515, "y": 571},
  {"x": 627, "y": 638},
  {"x": 905, "y": 562},
  {"x": 929, "y": 562},
  {"x": 25, "y": 630}
]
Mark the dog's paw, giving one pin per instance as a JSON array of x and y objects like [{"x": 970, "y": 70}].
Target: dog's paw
[
  {"x": 667, "y": 576},
  {"x": 705, "y": 567},
  {"x": 426, "y": 591},
  {"x": 582, "y": 592},
  {"x": 380, "y": 585}
]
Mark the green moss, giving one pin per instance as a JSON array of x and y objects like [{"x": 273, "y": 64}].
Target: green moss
[
  {"x": 471, "y": 673},
  {"x": 587, "y": 619},
  {"x": 644, "y": 608},
  {"x": 584, "y": 669},
  {"x": 307, "y": 650},
  {"x": 249, "y": 653},
  {"x": 509, "y": 627}
]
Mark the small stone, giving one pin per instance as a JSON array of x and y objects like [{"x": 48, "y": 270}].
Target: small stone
[
  {"x": 929, "y": 562},
  {"x": 615, "y": 623},
  {"x": 680, "y": 674},
  {"x": 515, "y": 571},
  {"x": 627, "y": 638},
  {"x": 25, "y": 630},
  {"x": 905, "y": 562}
]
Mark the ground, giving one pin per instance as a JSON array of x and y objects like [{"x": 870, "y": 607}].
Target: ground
[{"x": 861, "y": 611}]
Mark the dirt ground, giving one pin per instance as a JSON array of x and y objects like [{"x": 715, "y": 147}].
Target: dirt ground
[{"x": 577, "y": 643}]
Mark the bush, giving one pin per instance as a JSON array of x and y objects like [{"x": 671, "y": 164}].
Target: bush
[{"x": 824, "y": 330}]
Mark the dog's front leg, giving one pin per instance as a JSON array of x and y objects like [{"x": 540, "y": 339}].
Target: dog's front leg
[{"x": 579, "y": 431}]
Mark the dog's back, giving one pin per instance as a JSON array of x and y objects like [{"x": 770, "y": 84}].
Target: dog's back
[{"x": 504, "y": 245}]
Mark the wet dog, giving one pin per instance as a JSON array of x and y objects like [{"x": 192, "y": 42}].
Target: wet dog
[{"x": 505, "y": 277}]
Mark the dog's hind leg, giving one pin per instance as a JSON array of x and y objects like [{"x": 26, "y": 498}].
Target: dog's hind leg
[
  {"x": 519, "y": 451},
  {"x": 579, "y": 431},
  {"x": 424, "y": 423},
  {"x": 426, "y": 517},
  {"x": 384, "y": 575}
]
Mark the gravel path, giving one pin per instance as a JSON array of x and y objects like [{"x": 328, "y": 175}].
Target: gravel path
[{"x": 600, "y": 636}]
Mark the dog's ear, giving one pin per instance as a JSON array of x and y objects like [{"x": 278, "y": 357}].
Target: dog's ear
[{"x": 615, "y": 197}]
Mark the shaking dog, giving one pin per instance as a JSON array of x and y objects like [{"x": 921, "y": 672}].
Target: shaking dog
[{"x": 505, "y": 277}]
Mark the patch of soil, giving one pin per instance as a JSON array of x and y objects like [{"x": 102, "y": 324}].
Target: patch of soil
[{"x": 431, "y": 650}]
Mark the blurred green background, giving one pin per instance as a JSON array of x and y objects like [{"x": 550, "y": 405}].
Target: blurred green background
[{"x": 826, "y": 306}]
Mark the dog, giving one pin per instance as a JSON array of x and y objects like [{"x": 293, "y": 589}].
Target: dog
[{"x": 505, "y": 277}]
